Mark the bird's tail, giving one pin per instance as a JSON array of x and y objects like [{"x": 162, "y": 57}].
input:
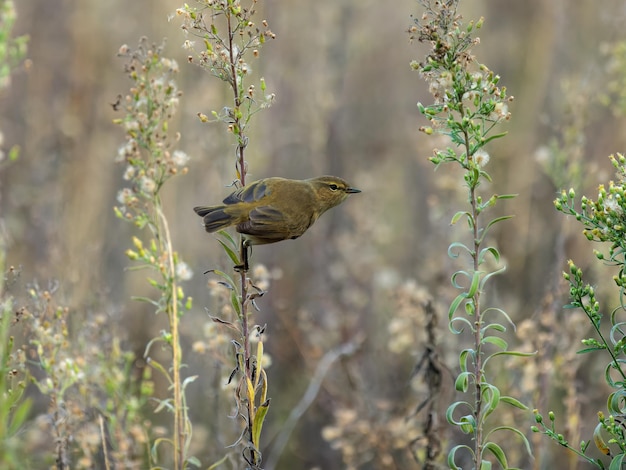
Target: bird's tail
[{"x": 214, "y": 217}]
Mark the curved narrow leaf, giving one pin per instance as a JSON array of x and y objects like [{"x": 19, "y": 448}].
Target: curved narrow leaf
[
  {"x": 459, "y": 245},
  {"x": 457, "y": 331},
  {"x": 591, "y": 349},
  {"x": 489, "y": 250},
  {"x": 452, "y": 455},
  {"x": 188, "y": 380},
  {"x": 607, "y": 373},
  {"x": 498, "y": 453},
  {"x": 513, "y": 402},
  {"x": 490, "y": 275},
  {"x": 235, "y": 302},
  {"x": 19, "y": 416},
  {"x": 155, "y": 447},
  {"x": 506, "y": 196},
  {"x": 234, "y": 257},
  {"x": 468, "y": 424},
  {"x": 493, "y": 326},
  {"x": 452, "y": 408},
  {"x": 229, "y": 280},
  {"x": 493, "y": 137},
  {"x": 599, "y": 441},
  {"x": 498, "y": 219},
  {"x": 617, "y": 329},
  {"x": 485, "y": 465},
  {"x": 465, "y": 354},
  {"x": 515, "y": 431},
  {"x": 476, "y": 283},
  {"x": 496, "y": 341},
  {"x": 456, "y": 217},
  {"x": 218, "y": 463},
  {"x": 461, "y": 384},
  {"x": 501, "y": 312},
  {"x": 618, "y": 462},
  {"x": 454, "y": 282},
  {"x": 231, "y": 241},
  {"x": 194, "y": 461},
  {"x": 616, "y": 403},
  {"x": 257, "y": 424},
  {"x": 507, "y": 353},
  {"x": 455, "y": 305},
  {"x": 491, "y": 394}
]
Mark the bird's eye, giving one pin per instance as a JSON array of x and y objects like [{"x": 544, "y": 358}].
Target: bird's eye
[{"x": 333, "y": 187}]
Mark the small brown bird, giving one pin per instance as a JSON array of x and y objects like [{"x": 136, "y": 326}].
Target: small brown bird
[{"x": 275, "y": 209}]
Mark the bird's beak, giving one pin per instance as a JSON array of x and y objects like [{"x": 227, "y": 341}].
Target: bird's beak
[{"x": 352, "y": 190}]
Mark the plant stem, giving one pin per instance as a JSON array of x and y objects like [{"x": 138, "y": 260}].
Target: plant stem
[
  {"x": 172, "y": 310},
  {"x": 478, "y": 366},
  {"x": 243, "y": 249},
  {"x": 478, "y": 343}
]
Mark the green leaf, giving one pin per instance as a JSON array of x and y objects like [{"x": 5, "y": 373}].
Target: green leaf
[
  {"x": 616, "y": 402},
  {"x": 461, "y": 384},
  {"x": 188, "y": 380},
  {"x": 514, "y": 431},
  {"x": 454, "y": 282},
  {"x": 460, "y": 246},
  {"x": 488, "y": 276},
  {"x": 194, "y": 461},
  {"x": 493, "y": 326},
  {"x": 452, "y": 408},
  {"x": 458, "y": 331},
  {"x": 145, "y": 299},
  {"x": 502, "y": 313},
  {"x": 513, "y": 402},
  {"x": 231, "y": 241},
  {"x": 468, "y": 424},
  {"x": 218, "y": 463},
  {"x": 617, "y": 462},
  {"x": 493, "y": 137},
  {"x": 464, "y": 356},
  {"x": 231, "y": 254},
  {"x": 496, "y": 220},
  {"x": 19, "y": 416},
  {"x": 485, "y": 465},
  {"x": 455, "y": 304},
  {"x": 456, "y": 217},
  {"x": 257, "y": 425},
  {"x": 235, "y": 302},
  {"x": 452, "y": 455},
  {"x": 155, "y": 447},
  {"x": 507, "y": 353},
  {"x": 499, "y": 342},
  {"x": 490, "y": 249},
  {"x": 476, "y": 277},
  {"x": 223, "y": 275},
  {"x": 492, "y": 394},
  {"x": 590, "y": 349},
  {"x": 498, "y": 453}
]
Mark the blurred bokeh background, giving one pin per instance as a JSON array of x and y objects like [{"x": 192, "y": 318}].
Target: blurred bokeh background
[{"x": 345, "y": 105}]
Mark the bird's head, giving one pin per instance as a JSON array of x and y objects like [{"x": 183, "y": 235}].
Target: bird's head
[{"x": 331, "y": 191}]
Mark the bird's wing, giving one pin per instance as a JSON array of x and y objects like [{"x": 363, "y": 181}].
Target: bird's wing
[
  {"x": 250, "y": 193},
  {"x": 266, "y": 223}
]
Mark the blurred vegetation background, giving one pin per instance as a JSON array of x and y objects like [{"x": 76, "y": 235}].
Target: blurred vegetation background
[{"x": 345, "y": 105}]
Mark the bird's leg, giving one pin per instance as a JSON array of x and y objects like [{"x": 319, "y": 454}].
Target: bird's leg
[
  {"x": 244, "y": 266},
  {"x": 246, "y": 253}
]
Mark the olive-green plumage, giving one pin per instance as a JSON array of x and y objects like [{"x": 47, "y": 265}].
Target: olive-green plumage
[{"x": 275, "y": 209}]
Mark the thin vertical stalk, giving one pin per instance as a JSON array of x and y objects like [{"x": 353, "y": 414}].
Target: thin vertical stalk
[
  {"x": 478, "y": 367},
  {"x": 172, "y": 310},
  {"x": 243, "y": 249}
]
